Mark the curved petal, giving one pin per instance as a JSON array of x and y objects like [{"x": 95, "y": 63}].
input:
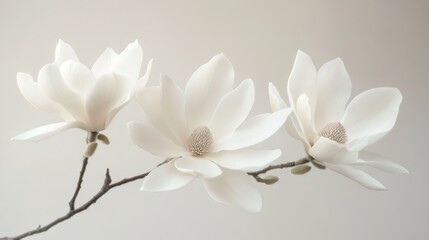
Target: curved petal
[
  {"x": 164, "y": 178},
  {"x": 278, "y": 103},
  {"x": 253, "y": 131},
  {"x": 34, "y": 95},
  {"x": 53, "y": 85},
  {"x": 244, "y": 159},
  {"x": 329, "y": 151},
  {"x": 305, "y": 118},
  {"x": 64, "y": 52},
  {"x": 46, "y": 131},
  {"x": 129, "y": 61},
  {"x": 109, "y": 91},
  {"x": 141, "y": 84},
  {"x": 104, "y": 63},
  {"x": 173, "y": 108},
  {"x": 199, "y": 167},
  {"x": 77, "y": 76},
  {"x": 357, "y": 175},
  {"x": 150, "y": 101},
  {"x": 302, "y": 80},
  {"x": 234, "y": 188},
  {"x": 205, "y": 88},
  {"x": 333, "y": 92},
  {"x": 232, "y": 110},
  {"x": 370, "y": 115},
  {"x": 146, "y": 137},
  {"x": 377, "y": 161}
]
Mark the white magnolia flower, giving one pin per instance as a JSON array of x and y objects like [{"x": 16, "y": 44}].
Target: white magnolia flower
[
  {"x": 84, "y": 98},
  {"x": 333, "y": 132},
  {"x": 204, "y": 132}
]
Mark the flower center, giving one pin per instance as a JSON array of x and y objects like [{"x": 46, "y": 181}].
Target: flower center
[
  {"x": 334, "y": 131},
  {"x": 200, "y": 140}
]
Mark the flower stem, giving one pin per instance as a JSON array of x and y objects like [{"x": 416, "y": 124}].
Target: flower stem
[{"x": 108, "y": 185}]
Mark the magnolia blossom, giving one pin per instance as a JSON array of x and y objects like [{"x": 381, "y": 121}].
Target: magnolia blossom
[
  {"x": 335, "y": 133},
  {"x": 203, "y": 132},
  {"x": 84, "y": 98}
]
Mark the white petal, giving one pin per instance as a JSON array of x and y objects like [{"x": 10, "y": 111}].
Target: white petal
[
  {"x": 234, "y": 188},
  {"x": 146, "y": 137},
  {"x": 64, "y": 52},
  {"x": 276, "y": 100},
  {"x": 173, "y": 107},
  {"x": 278, "y": 103},
  {"x": 305, "y": 119},
  {"x": 357, "y": 175},
  {"x": 370, "y": 115},
  {"x": 377, "y": 161},
  {"x": 52, "y": 84},
  {"x": 108, "y": 91},
  {"x": 329, "y": 151},
  {"x": 302, "y": 79},
  {"x": 34, "y": 95},
  {"x": 104, "y": 63},
  {"x": 198, "y": 166},
  {"x": 244, "y": 159},
  {"x": 46, "y": 131},
  {"x": 150, "y": 100},
  {"x": 128, "y": 62},
  {"x": 205, "y": 88},
  {"x": 232, "y": 110},
  {"x": 253, "y": 131},
  {"x": 141, "y": 84},
  {"x": 77, "y": 76},
  {"x": 164, "y": 178},
  {"x": 333, "y": 92}
]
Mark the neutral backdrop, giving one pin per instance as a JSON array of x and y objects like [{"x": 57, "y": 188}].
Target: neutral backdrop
[{"x": 383, "y": 43}]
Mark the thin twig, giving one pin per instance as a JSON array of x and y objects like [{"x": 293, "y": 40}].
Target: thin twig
[
  {"x": 108, "y": 185},
  {"x": 278, "y": 166},
  {"x": 92, "y": 136}
]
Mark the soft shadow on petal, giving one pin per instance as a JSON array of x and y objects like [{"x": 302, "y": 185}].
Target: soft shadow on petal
[
  {"x": 199, "y": 167},
  {"x": 277, "y": 103},
  {"x": 234, "y": 188},
  {"x": 46, "y": 131},
  {"x": 129, "y": 61},
  {"x": 146, "y": 137},
  {"x": 357, "y": 175},
  {"x": 77, "y": 76},
  {"x": 254, "y": 130},
  {"x": 141, "y": 83},
  {"x": 244, "y": 159},
  {"x": 305, "y": 118},
  {"x": 302, "y": 79},
  {"x": 53, "y": 85},
  {"x": 104, "y": 63},
  {"x": 108, "y": 91},
  {"x": 333, "y": 92},
  {"x": 377, "y": 161},
  {"x": 370, "y": 115},
  {"x": 150, "y": 100},
  {"x": 34, "y": 95},
  {"x": 64, "y": 52},
  {"x": 173, "y": 108},
  {"x": 164, "y": 178},
  {"x": 232, "y": 110},
  {"x": 329, "y": 151},
  {"x": 205, "y": 88}
]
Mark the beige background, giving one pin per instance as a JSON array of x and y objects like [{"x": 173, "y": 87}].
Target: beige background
[{"x": 383, "y": 43}]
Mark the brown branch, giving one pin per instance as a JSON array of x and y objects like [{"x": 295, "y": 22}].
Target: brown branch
[
  {"x": 92, "y": 136},
  {"x": 278, "y": 166},
  {"x": 108, "y": 185}
]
